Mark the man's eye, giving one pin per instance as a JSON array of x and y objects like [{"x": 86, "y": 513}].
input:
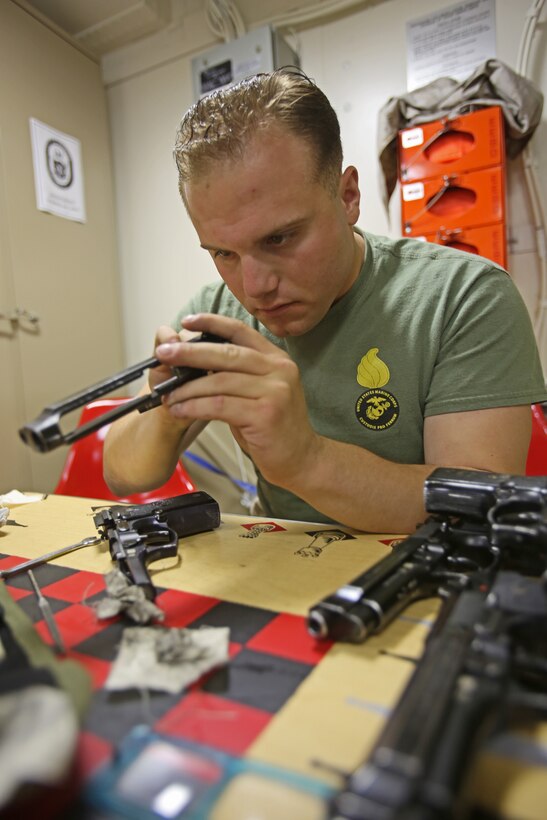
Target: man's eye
[
  {"x": 222, "y": 254},
  {"x": 277, "y": 239}
]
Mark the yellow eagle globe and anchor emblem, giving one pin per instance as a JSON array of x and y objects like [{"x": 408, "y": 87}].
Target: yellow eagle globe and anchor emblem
[{"x": 376, "y": 409}]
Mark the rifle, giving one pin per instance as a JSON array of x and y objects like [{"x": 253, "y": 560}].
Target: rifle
[
  {"x": 486, "y": 656},
  {"x": 44, "y": 432},
  {"x": 142, "y": 533},
  {"x": 480, "y": 523}
]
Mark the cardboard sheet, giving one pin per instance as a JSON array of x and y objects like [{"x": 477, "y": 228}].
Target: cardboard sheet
[
  {"x": 335, "y": 705},
  {"x": 278, "y": 565}
]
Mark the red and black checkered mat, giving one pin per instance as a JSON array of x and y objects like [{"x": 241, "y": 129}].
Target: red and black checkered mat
[{"x": 227, "y": 709}]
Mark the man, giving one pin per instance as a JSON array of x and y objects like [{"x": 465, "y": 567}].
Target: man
[{"x": 355, "y": 364}]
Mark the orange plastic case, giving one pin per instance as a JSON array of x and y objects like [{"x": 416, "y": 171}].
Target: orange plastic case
[
  {"x": 454, "y": 200},
  {"x": 457, "y": 145},
  {"x": 488, "y": 241}
]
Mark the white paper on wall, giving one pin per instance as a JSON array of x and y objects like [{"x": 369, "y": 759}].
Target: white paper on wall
[
  {"x": 451, "y": 42},
  {"x": 58, "y": 173}
]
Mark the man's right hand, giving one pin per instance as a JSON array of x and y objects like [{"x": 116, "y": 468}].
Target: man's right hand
[{"x": 165, "y": 335}]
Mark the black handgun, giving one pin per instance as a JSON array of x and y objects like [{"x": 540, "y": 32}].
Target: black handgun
[
  {"x": 514, "y": 506},
  {"x": 143, "y": 533},
  {"x": 45, "y": 434},
  {"x": 481, "y": 522},
  {"x": 484, "y": 664}
]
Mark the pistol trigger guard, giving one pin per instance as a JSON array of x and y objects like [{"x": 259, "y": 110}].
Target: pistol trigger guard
[{"x": 153, "y": 528}]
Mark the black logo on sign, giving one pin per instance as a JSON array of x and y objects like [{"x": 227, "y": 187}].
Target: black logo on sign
[{"x": 59, "y": 164}]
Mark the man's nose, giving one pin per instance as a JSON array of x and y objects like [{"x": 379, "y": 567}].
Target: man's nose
[{"x": 258, "y": 277}]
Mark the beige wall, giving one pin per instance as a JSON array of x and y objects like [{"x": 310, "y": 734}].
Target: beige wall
[
  {"x": 359, "y": 60},
  {"x": 64, "y": 271}
]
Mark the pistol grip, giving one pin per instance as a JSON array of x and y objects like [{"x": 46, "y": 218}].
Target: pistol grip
[{"x": 134, "y": 568}]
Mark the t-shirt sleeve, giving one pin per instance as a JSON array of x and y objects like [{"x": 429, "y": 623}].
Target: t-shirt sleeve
[{"x": 488, "y": 354}]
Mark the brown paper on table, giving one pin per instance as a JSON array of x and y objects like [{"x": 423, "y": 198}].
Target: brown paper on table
[
  {"x": 285, "y": 569},
  {"x": 519, "y": 787},
  {"x": 337, "y": 712}
]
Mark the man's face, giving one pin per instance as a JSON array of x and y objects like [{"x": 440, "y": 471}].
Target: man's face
[{"x": 281, "y": 241}]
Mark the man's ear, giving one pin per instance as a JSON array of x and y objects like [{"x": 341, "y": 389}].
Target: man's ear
[{"x": 350, "y": 194}]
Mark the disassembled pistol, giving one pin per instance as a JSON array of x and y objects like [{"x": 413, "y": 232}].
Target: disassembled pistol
[{"x": 44, "y": 432}]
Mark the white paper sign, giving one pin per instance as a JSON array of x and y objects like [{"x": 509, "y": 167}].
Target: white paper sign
[
  {"x": 412, "y": 137},
  {"x": 58, "y": 174},
  {"x": 451, "y": 42},
  {"x": 413, "y": 191}
]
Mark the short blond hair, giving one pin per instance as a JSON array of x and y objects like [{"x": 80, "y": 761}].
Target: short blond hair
[{"x": 220, "y": 126}]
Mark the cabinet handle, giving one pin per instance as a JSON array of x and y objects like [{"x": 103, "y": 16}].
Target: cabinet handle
[
  {"x": 19, "y": 314},
  {"x": 26, "y": 315}
]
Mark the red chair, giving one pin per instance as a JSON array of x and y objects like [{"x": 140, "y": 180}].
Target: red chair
[
  {"x": 536, "y": 463},
  {"x": 83, "y": 470}
]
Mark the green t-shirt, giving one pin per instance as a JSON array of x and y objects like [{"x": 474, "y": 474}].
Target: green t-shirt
[{"x": 424, "y": 330}]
